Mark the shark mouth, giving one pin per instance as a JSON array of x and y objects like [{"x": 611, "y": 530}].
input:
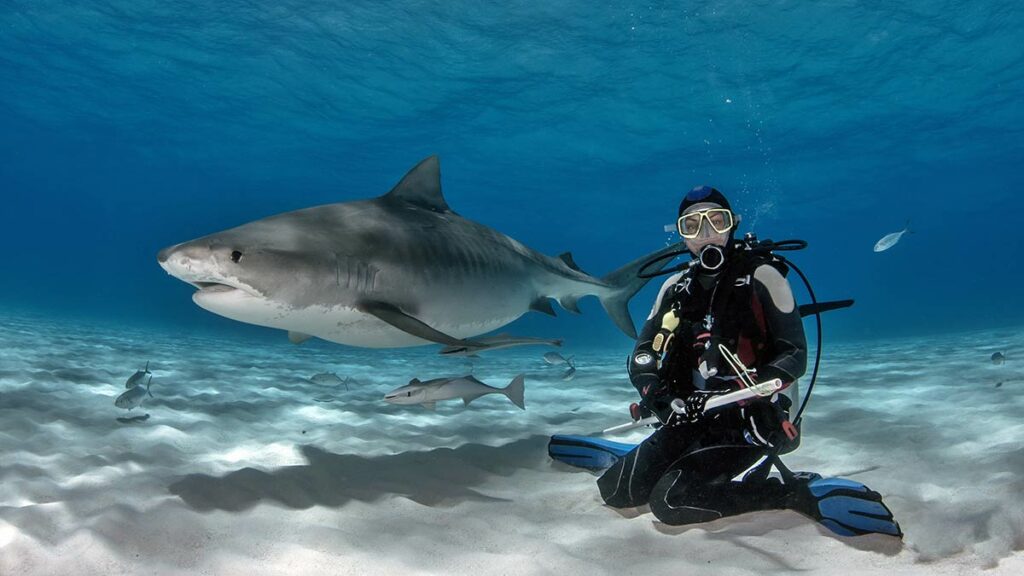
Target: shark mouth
[{"x": 211, "y": 287}]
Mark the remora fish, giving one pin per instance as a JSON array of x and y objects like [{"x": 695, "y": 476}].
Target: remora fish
[
  {"x": 496, "y": 342},
  {"x": 136, "y": 378},
  {"x": 466, "y": 387},
  {"x": 133, "y": 397},
  {"x": 890, "y": 240},
  {"x": 399, "y": 270}
]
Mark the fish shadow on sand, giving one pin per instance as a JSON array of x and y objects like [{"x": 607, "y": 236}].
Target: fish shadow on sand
[{"x": 438, "y": 478}]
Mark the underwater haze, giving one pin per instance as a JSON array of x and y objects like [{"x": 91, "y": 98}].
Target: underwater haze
[{"x": 130, "y": 126}]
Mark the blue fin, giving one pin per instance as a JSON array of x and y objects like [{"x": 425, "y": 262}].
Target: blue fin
[
  {"x": 586, "y": 452},
  {"x": 850, "y": 508}
]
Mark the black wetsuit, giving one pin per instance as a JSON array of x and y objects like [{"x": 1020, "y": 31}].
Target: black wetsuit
[{"x": 685, "y": 472}]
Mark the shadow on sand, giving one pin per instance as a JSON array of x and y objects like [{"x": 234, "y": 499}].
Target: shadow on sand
[{"x": 440, "y": 477}]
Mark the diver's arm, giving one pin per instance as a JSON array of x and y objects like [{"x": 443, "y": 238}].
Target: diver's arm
[
  {"x": 785, "y": 327},
  {"x": 643, "y": 362}
]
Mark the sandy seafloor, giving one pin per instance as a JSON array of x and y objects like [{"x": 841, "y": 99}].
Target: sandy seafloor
[{"x": 239, "y": 470}]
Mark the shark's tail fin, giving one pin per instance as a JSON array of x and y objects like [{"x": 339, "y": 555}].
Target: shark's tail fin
[
  {"x": 148, "y": 384},
  {"x": 515, "y": 390},
  {"x": 146, "y": 370},
  {"x": 624, "y": 284}
]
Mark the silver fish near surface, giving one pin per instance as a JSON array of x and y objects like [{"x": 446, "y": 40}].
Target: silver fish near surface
[
  {"x": 133, "y": 397},
  {"x": 136, "y": 379},
  {"x": 890, "y": 240},
  {"x": 399, "y": 270},
  {"x": 468, "y": 388},
  {"x": 496, "y": 342}
]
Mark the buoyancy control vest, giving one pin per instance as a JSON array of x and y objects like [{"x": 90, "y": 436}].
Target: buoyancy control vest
[{"x": 725, "y": 311}]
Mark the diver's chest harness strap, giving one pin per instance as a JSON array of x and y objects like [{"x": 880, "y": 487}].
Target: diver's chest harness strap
[{"x": 707, "y": 315}]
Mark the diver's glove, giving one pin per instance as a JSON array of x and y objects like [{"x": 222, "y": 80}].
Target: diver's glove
[{"x": 692, "y": 408}]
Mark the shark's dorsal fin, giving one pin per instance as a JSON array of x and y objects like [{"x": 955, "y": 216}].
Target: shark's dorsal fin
[{"x": 421, "y": 187}]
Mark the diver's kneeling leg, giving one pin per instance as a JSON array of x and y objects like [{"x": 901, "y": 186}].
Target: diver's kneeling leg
[
  {"x": 629, "y": 481},
  {"x": 699, "y": 487}
]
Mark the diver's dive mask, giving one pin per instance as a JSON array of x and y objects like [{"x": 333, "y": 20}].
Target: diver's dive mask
[{"x": 691, "y": 224}]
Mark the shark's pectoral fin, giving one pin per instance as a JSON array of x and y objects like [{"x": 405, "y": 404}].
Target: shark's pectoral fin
[
  {"x": 392, "y": 315},
  {"x": 543, "y": 304},
  {"x": 429, "y": 406},
  {"x": 297, "y": 337}
]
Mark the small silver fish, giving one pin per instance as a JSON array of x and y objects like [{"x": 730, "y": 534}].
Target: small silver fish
[
  {"x": 890, "y": 240},
  {"x": 554, "y": 358},
  {"x": 329, "y": 379},
  {"x": 136, "y": 379},
  {"x": 998, "y": 358},
  {"x": 133, "y": 397}
]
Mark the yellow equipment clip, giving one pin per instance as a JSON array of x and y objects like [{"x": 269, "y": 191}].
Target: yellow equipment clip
[{"x": 669, "y": 323}]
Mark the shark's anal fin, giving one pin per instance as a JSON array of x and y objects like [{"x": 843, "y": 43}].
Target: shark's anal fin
[
  {"x": 297, "y": 337},
  {"x": 543, "y": 304},
  {"x": 570, "y": 303},
  {"x": 392, "y": 315}
]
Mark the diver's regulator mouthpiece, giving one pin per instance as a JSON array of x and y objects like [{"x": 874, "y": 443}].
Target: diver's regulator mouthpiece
[{"x": 711, "y": 257}]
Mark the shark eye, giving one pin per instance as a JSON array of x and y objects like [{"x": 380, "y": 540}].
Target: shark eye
[
  {"x": 236, "y": 256},
  {"x": 409, "y": 393}
]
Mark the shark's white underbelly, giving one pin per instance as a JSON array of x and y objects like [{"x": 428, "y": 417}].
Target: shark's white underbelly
[{"x": 346, "y": 325}]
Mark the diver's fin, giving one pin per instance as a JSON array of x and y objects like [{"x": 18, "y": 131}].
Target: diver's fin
[
  {"x": 297, "y": 337},
  {"x": 392, "y": 315},
  {"x": 624, "y": 284},
  {"x": 847, "y": 507},
  {"x": 542, "y": 304},
  {"x": 515, "y": 390},
  {"x": 421, "y": 187},
  {"x": 429, "y": 405},
  {"x": 586, "y": 452},
  {"x": 567, "y": 258},
  {"x": 819, "y": 307}
]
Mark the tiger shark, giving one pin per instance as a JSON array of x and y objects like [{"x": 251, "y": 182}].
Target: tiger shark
[{"x": 398, "y": 270}]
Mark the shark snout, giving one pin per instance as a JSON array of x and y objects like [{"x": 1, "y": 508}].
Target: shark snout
[
  {"x": 190, "y": 262},
  {"x": 165, "y": 254}
]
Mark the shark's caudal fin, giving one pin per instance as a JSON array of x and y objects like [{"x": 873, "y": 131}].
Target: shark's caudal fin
[
  {"x": 624, "y": 284},
  {"x": 515, "y": 390}
]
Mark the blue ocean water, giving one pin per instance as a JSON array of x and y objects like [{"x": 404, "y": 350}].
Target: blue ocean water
[
  {"x": 129, "y": 126},
  {"x": 126, "y": 127}
]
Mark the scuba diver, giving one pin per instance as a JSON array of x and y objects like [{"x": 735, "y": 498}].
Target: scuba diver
[{"x": 725, "y": 321}]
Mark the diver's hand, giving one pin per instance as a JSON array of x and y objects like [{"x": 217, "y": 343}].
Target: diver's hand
[{"x": 690, "y": 410}]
